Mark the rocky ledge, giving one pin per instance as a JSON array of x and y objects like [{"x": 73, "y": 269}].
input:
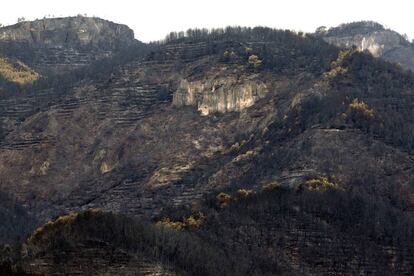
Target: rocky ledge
[
  {"x": 69, "y": 31},
  {"x": 59, "y": 45},
  {"x": 223, "y": 94}
]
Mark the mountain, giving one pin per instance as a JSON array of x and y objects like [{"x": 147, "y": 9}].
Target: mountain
[
  {"x": 371, "y": 36},
  {"x": 235, "y": 151},
  {"x": 59, "y": 45}
]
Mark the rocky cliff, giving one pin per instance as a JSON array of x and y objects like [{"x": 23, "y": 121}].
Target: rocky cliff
[
  {"x": 70, "y": 31},
  {"x": 221, "y": 94},
  {"x": 371, "y": 36},
  {"x": 63, "y": 44}
]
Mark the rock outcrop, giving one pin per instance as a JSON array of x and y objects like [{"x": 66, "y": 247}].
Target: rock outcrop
[
  {"x": 222, "y": 94},
  {"x": 59, "y": 45},
  {"x": 376, "y": 39},
  {"x": 131, "y": 142},
  {"x": 69, "y": 31}
]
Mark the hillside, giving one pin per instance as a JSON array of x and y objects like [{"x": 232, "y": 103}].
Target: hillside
[
  {"x": 274, "y": 231},
  {"x": 60, "y": 45},
  {"x": 375, "y": 38},
  {"x": 235, "y": 151}
]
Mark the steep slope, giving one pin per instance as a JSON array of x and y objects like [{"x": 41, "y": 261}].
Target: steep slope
[
  {"x": 59, "y": 45},
  {"x": 371, "y": 36},
  {"x": 109, "y": 142},
  {"x": 217, "y": 112},
  {"x": 317, "y": 229}
]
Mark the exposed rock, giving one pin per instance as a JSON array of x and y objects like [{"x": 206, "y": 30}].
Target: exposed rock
[
  {"x": 222, "y": 94},
  {"x": 59, "y": 45},
  {"x": 69, "y": 31},
  {"x": 373, "y": 37},
  {"x": 105, "y": 168},
  {"x": 122, "y": 146}
]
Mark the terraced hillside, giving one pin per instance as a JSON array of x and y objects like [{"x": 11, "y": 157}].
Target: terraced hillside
[
  {"x": 60, "y": 45},
  {"x": 262, "y": 151}
]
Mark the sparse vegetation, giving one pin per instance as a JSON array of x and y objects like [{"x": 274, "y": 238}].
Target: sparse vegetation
[
  {"x": 271, "y": 186},
  {"x": 48, "y": 230},
  {"x": 254, "y": 62},
  {"x": 324, "y": 99},
  {"x": 229, "y": 55},
  {"x": 245, "y": 193},
  {"x": 360, "y": 114},
  {"x": 17, "y": 72},
  {"x": 355, "y": 28},
  {"x": 352, "y": 219},
  {"x": 193, "y": 222},
  {"x": 285, "y": 52},
  {"x": 223, "y": 199},
  {"x": 188, "y": 254},
  {"x": 320, "y": 184},
  {"x": 338, "y": 66}
]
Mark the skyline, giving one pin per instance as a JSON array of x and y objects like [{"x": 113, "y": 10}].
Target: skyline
[{"x": 153, "y": 20}]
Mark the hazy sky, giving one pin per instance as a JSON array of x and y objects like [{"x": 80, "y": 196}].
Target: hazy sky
[{"x": 153, "y": 19}]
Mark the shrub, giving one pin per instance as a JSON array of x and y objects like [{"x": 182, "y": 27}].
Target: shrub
[
  {"x": 194, "y": 221},
  {"x": 320, "y": 184},
  {"x": 169, "y": 223},
  {"x": 223, "y": 199},
  {"x": 254, "y": 62},
  {"x": 338, "y": 68},
  {"x": 48, "y": 230},
  {"x": 191, "y": 223},
  {"x": 229, "y": 55},
  {"x": 361, "y": 109},
  {"x": 271, "y": 186},
  {"x": 360, "y": 114},
  {"x": 244, "y": 193}
]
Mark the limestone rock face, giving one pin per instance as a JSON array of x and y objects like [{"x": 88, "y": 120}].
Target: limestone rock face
[
  {"x": 377, "y": 43},
  {"x": 73, "y": 31},
  {"x": 371, "y": 36},
  {"x": 224, "y": 94},
  {"x": 59, "y": 45}
]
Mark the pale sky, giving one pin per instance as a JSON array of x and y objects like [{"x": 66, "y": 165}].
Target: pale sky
[{"x": 153, "y": 19}]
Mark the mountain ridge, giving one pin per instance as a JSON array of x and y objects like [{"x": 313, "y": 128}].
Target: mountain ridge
[
  {"x": 61, "y": 45},
  {"x": 379, "y": 41},
  {"x": 78, "y": 29},
  {"x": 265, "y": 150}
]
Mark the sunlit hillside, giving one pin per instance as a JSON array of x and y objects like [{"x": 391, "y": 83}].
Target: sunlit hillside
[{"x": 17, "y": 72}]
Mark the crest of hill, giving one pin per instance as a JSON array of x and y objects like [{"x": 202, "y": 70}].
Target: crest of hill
[
  {"x": 354, "y": 28},
  {"x": 73, "y": 31},
  {"x": 374, "y": 38}
]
